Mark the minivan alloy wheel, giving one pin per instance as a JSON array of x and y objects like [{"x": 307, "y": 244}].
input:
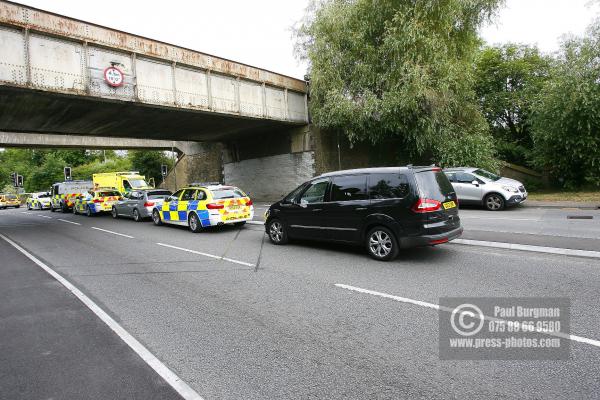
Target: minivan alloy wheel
[
  {"x": 277, "y": 233},
  {"x": 380, "y": 243}
]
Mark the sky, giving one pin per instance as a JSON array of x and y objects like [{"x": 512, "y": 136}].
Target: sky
[{"x": 258, "y": 32}]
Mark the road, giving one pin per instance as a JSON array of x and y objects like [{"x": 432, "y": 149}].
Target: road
[
  {"x": 236, "y": 317},
  {"x": 51, "y": 346},
  {"x": 526, "y": 225}
]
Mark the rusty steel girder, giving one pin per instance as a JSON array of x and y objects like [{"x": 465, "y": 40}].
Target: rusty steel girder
[{"x": 35, "y": 20}]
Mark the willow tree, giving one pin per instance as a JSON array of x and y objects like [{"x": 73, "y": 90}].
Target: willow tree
[{"x": 399, "y": 69}]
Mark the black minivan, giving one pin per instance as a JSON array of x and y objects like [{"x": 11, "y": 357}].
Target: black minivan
[{"x": 385, "y": 209}]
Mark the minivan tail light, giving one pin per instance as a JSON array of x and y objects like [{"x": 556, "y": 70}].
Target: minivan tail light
[
  {"x": 213, "y": 206},
  {"x": 149, "y": 204},
  {"x": 426, "y": 205}
]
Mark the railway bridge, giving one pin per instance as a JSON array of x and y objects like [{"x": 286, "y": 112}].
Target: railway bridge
[{"x": 71, "y": 83}]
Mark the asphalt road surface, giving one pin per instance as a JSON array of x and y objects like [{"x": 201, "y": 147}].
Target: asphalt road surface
[
  {"x": 526, "y": 225},
  {"x": 52, "y": 347},
  {"x": 239, "y": 318}
]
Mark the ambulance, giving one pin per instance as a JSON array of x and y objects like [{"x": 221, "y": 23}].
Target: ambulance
[
  {"x": 124, "y": 182},
  {"x": 64, "y": 194}
]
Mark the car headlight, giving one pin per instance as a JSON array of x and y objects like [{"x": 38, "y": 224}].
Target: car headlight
[{"x": 510, "y": 189}]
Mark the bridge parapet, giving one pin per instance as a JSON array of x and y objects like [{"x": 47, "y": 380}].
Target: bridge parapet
[{"x": 49, "y": 52}]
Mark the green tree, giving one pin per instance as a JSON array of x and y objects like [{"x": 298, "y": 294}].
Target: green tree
[
  {"x": 566, "y": 117},
  {"x": 21, "y": 161},
  {"x": 399, "y": 69},
  {"x": 86, "y": 171},
  {"x": 508, "y": 79},
  {"x": 73, "y": 158},
  {"x": 41, "y": 178},
  {"x": 148, "y": 163}
]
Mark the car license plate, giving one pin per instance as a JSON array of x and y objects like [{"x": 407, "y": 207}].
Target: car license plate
[
  {"x": 449, "y": 204},
  {"x": 236, "y": 217},
  {"x": 234, "y": 207}
]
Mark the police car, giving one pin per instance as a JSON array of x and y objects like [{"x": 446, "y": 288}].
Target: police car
[
  {"x": 96, "y": 201},
  {"x": 202, "y": 205},
  {"x": 39, "y": 201}
]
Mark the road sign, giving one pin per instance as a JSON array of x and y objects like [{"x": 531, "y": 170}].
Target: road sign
[{"x": 114, "y": 76}]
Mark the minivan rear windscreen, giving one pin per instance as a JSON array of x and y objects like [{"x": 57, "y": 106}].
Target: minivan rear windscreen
[{"x": 433, "y": 185}]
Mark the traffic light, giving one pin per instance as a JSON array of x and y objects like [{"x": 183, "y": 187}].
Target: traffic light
[
  {"x": 13, "y": 179},
  {"x": 163, "y": 170},
  {"x": 20, "y": 181},
  {"x": 68, "y": 174}
]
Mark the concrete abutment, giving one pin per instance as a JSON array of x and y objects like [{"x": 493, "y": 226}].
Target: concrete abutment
[{"x": 270, "y": 165}]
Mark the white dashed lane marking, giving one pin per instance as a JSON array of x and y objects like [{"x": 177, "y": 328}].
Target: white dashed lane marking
[
  {"x": 68, "y": 222},
  {"x": 425, "y": 304},
  {"x": 111, "y": 232},
  {"x": 231, "y": 260}
]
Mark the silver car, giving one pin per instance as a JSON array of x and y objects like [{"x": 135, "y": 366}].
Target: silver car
[
  {"x": 481, "y": 187},
  {"x": 139, "y": 204}
]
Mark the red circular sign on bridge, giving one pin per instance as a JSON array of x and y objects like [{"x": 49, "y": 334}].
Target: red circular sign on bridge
[{"x": 114, "y": 76}]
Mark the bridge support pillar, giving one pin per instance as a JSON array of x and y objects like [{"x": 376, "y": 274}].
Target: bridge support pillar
[{"x": 200, "y": 162}]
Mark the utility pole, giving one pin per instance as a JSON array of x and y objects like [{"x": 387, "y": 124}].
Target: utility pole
[{"x": 174, "y": 162}]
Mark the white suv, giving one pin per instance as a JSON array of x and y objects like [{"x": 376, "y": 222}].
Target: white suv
[{"x": 478, "y": 186}]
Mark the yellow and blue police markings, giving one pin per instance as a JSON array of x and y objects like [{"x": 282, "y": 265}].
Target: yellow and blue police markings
[
  {"x": 210, "y": 212},
  {"x": 38, "y": 201},
  {"x": 96, "y": 202},
  {"x": 69, "y": 199},
  {"x": 179, "y": 211}
]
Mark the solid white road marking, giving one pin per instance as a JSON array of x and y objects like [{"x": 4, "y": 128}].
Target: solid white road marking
[
  {"x": 69, "y": 222},
  {"x": 527, "y": 247},
  {"x": 169, "y": 376},
  {"x": 574, "y": 338},
  {"x": 231, "y": 260},
  {"x": 114, "y": 233}
]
